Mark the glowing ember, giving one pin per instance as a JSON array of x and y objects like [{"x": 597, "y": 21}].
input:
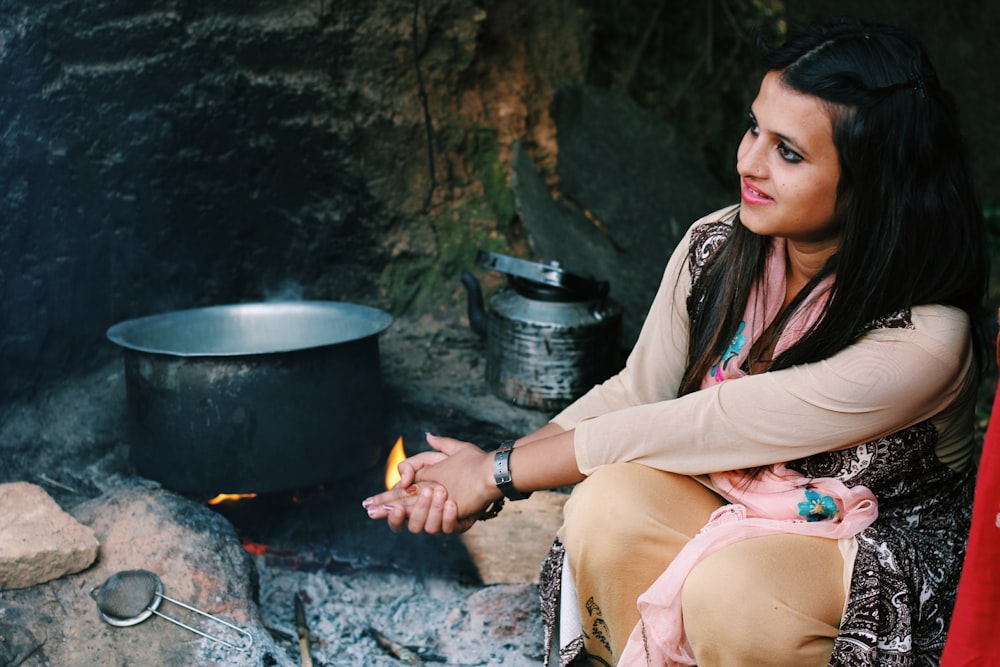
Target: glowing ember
[
  {"x": 229, "y": 497},
  {"x": 396, "y": 456},
  {"x": 253, "y": 548}
]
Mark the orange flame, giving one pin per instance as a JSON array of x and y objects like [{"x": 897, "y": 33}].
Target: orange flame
[
  {"x": 229, "y": 497},
  {"x": 396, "y": 456}
]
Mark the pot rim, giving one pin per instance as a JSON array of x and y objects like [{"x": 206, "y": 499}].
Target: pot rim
[{"x": 252, "y": 328}]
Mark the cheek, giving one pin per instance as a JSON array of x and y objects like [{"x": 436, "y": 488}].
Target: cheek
[
  {"x": 828, "y": 186},
  {"x": 827, "y": 197},
  {"x": 817, "y": 208},
  {"x": 815, "y": 193}
]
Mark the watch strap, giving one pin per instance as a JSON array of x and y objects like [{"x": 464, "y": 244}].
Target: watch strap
[{"x": 501, "y": 472}]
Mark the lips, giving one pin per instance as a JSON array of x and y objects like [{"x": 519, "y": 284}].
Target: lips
[{"x": 751, "y": 195}]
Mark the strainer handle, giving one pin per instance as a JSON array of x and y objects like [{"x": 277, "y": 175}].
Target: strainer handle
[{"x": 205, "y": 634}]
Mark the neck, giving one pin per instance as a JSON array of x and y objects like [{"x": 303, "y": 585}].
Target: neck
[{"x": 805, "y": 260}]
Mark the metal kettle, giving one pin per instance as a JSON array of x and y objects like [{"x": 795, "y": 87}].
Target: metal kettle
[{"x": 551, "y": 334}]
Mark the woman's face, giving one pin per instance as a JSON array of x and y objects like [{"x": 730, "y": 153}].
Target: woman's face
[{"x": 789, "y": 168}]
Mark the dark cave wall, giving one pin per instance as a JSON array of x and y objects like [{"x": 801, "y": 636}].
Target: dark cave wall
[
  {"x": 177, "y": 153},
  {"x": 170, "y": 157}
]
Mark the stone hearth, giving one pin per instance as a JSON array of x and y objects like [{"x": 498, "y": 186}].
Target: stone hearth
[{"x": 369, "y": 595}]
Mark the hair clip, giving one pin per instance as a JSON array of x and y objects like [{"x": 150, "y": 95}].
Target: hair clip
[{"x": 916, "y": 84}]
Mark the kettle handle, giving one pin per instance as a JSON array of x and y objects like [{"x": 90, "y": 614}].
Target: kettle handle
[
  {"x": 574, "y": 286},
  {"x": 477, "y": 312}
]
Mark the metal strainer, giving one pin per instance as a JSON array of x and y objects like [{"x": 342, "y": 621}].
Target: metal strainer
[{"x": 131, "y": 596}]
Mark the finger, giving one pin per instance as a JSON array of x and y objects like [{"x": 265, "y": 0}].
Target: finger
[
  {"x": 449, "y": 518},
  {"x": 425, "y": 459},
  {"x": 407, "y": 473},
  {"x": 396, "y": 517},
  {"x": 432, "y": 525},
  {"x": 391, "y": 511},
  {"x": 447, "y": 446},
  {"x": 373, "y": 505},
  {"x": 410, "y": 466},
  {"x": 419, "y": 510}
]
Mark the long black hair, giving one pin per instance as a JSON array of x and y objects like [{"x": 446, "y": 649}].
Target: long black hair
[{"x": 911, "y": 226}]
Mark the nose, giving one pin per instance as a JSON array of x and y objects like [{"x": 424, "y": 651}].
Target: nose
[{"x": 750, "y": 157}]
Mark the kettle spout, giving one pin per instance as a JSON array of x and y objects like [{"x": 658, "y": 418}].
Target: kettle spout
[{"x": 477, "y": 313}]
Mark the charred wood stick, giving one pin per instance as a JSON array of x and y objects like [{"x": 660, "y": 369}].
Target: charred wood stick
[
  {"x": 303, "y": 630},
  {"x": 58, "y": 485},
  {"x": 395, "y": 649}
]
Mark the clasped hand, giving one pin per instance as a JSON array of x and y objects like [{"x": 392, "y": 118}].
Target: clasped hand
[{"x": 441, "y": 491}]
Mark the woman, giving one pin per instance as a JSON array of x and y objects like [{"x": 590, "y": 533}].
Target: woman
[{"x": 780, "y": 474}]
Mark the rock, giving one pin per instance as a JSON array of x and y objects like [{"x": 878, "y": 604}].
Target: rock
[
  {"x": 38, "y": 540},
  {"x": 199, "y": 560},
  {"x": 510, "y": 548},
  {"x": 629, "y": 187}
]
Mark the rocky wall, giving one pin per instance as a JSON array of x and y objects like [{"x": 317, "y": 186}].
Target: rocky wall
[{"x": 172, "y": 153}]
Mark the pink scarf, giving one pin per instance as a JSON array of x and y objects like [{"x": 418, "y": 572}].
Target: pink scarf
[
  {"x": 762, "y": 309},
  {"x": 779, "y": 501}
]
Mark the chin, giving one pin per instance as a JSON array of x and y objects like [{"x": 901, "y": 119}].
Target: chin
[{"x": 754, "y": 221}]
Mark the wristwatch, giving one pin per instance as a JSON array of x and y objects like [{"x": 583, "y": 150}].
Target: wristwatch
[{"x": 501, "y": 472}]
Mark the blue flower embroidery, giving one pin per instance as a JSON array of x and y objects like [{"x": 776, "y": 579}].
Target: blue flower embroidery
[
  {"x": 739, "y": 340},
  {"x": 817, "y": 507}
]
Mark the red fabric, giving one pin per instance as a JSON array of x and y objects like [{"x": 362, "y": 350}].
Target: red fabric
[{"x": 974, "y": 635}]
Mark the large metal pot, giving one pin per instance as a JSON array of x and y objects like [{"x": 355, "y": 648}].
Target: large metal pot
[{"x": 256, "y": 397}]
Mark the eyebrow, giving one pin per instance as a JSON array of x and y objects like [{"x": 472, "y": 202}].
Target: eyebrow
[{"x": 792, "y": 143}]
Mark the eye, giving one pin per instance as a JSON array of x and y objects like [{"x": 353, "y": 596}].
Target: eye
[
  {"x": 787, "y": 154},
  {"x": 752, "y": 127}
]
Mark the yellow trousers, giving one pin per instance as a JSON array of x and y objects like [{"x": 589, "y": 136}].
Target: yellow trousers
[{"x": 775, "y": 600}]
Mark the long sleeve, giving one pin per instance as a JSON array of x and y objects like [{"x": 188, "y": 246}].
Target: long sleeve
[
  {"x": 656, "y": 364},
  {"x": 891, "y": 378}
]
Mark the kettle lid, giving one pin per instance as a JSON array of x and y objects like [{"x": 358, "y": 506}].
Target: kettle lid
[{"x": 547, "y": 282}]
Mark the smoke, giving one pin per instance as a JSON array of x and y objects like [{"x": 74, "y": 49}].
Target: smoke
[{"x": 288, "y": 290}]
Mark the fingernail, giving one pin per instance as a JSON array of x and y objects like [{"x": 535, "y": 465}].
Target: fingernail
[
  {"x": 388, "y": 508},
  {"x": 411, "y": 490},
  {"x": 367, "y": 503}
]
